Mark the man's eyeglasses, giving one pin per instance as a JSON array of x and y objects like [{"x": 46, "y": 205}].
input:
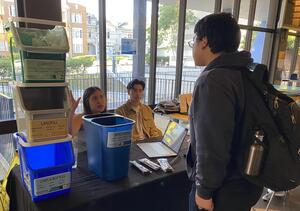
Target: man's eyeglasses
[{"x": 192, "y": 42}]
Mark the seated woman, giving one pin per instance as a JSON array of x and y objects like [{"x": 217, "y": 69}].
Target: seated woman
[
  {"x": 94, "y": 101},
  {"x": 142, "y": 114}
]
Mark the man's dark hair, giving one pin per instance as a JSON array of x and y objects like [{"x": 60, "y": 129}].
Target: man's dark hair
[
  {"x": 221, "y": 30},
  {"x": 134, "y": 82}
]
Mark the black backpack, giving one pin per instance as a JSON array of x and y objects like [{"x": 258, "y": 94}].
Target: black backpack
[{"x": 279, "y": 117}]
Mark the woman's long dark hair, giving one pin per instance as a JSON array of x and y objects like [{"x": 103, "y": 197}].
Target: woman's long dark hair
[{"x": 86, "y": 96}]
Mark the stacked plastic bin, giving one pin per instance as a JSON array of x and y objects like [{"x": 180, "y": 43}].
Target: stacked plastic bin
[{"x": 42, "y": 110}]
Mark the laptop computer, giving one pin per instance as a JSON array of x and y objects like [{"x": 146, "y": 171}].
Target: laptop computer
[{"x": 170, "y": 143}]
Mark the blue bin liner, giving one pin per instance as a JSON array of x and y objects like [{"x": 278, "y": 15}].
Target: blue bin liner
[
  {"x": 108, "y": 142},
  {"x": 40, "y": 164}
]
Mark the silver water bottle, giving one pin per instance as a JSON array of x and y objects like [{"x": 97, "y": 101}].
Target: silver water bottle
[{"x": 256, "y": 153}]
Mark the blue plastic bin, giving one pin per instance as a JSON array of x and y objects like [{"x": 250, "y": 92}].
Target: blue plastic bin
[
  {"x": 108, "y": 142},
  {"x": 46, "y": 169},
  {"x": 93, "y": 134}
]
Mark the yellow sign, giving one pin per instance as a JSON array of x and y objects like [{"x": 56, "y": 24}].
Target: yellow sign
[{"x": 47, "y": 128}]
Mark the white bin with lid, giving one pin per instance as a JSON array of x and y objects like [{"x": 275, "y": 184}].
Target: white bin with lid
[
  {"x": 42, "y": 110},
  {"x": 42, "y": 53}
]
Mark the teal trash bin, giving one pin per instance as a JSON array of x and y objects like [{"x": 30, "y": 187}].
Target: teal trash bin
[{"x": 108, "y": 139}]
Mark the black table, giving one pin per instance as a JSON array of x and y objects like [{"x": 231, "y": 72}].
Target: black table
[{"x": 156, "y": 192}]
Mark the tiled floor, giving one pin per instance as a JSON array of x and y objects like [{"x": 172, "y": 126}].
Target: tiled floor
[{"x": 291, "y": 202}]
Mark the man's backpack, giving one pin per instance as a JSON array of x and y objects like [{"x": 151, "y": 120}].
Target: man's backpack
[{"x": 278, "y": 116}]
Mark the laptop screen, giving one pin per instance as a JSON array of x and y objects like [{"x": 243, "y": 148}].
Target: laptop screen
[{"x": 174, "y": 136}]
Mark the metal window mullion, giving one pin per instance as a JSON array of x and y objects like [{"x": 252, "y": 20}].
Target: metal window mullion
[
  {"x": 294, "y": 55},
  {"x": 269, "y": 39},
  {"x": 248, "y": 40},
  {"x": 236, "y": 9},
  {"x": 218, "y": 5},
  {"x": 153, "y": 52},
  {"x": 293, "y": 34},
  {"x": 251, "y": 17},
  {"x": 275, "y": 46},
  {"x": 255, "y": 28},
  {"x": 139, "y": 33},
  {"x": 180, "y": 47},
  {"x": 275, "y": 55},
  {"x": 273, "y": 16},
  {"x": 102, "y": 45}
]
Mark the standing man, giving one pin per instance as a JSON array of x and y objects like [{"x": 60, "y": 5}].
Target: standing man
[
  {"x": 144, "y": 127},
  {"x": 216, "y": 117}
]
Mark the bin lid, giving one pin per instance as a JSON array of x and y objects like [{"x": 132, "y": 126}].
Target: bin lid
[
  {"x": 41, "y": 40},
  {"x": 23, "y": 142}
]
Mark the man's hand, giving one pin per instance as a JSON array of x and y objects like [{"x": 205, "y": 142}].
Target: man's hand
[{"x": 206, "y": 204}]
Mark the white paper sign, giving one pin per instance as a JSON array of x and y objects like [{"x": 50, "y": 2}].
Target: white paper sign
[
  {"x": 52, "y": 183},
  {"x": 118, "y": 139}
]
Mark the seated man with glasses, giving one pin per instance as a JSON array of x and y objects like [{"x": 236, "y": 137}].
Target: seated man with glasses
[{"x": 142, "y": 114}]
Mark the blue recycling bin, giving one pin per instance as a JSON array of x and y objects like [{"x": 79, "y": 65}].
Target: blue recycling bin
[
  {"x": 45, "y": 169},
  {"x": 108, "y": 142},
  {"x": 91, "y": 133}
]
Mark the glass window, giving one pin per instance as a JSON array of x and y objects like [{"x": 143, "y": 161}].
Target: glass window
[
  {"x": 77, "y": 33},
  {"x": 297, "y": 67},
  {"x": 227, "y": 6},
  {"x": 123, "y": 61},
  {"x": 12, "y": 10},
  {"x": 243, "y": 40},
  {"x": 261, "y": 46},
  {"x": 7, "y": 148},
  {"x": 263, "y": 14},
  {"x": 77, "y": 48},
  {"x": 168, "y": 16},
  {"x": 6, "y": 104},
  {"x": 285, "y": 57},
  {"x": 73, "y": 18},
  {"x": 76, "y": 18},
  {"x": 244, "y": 12},
  {"x": 195, "y": 11},
  {"x": 83, "y": 57},
  {"x": 119, "y": 65}
]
